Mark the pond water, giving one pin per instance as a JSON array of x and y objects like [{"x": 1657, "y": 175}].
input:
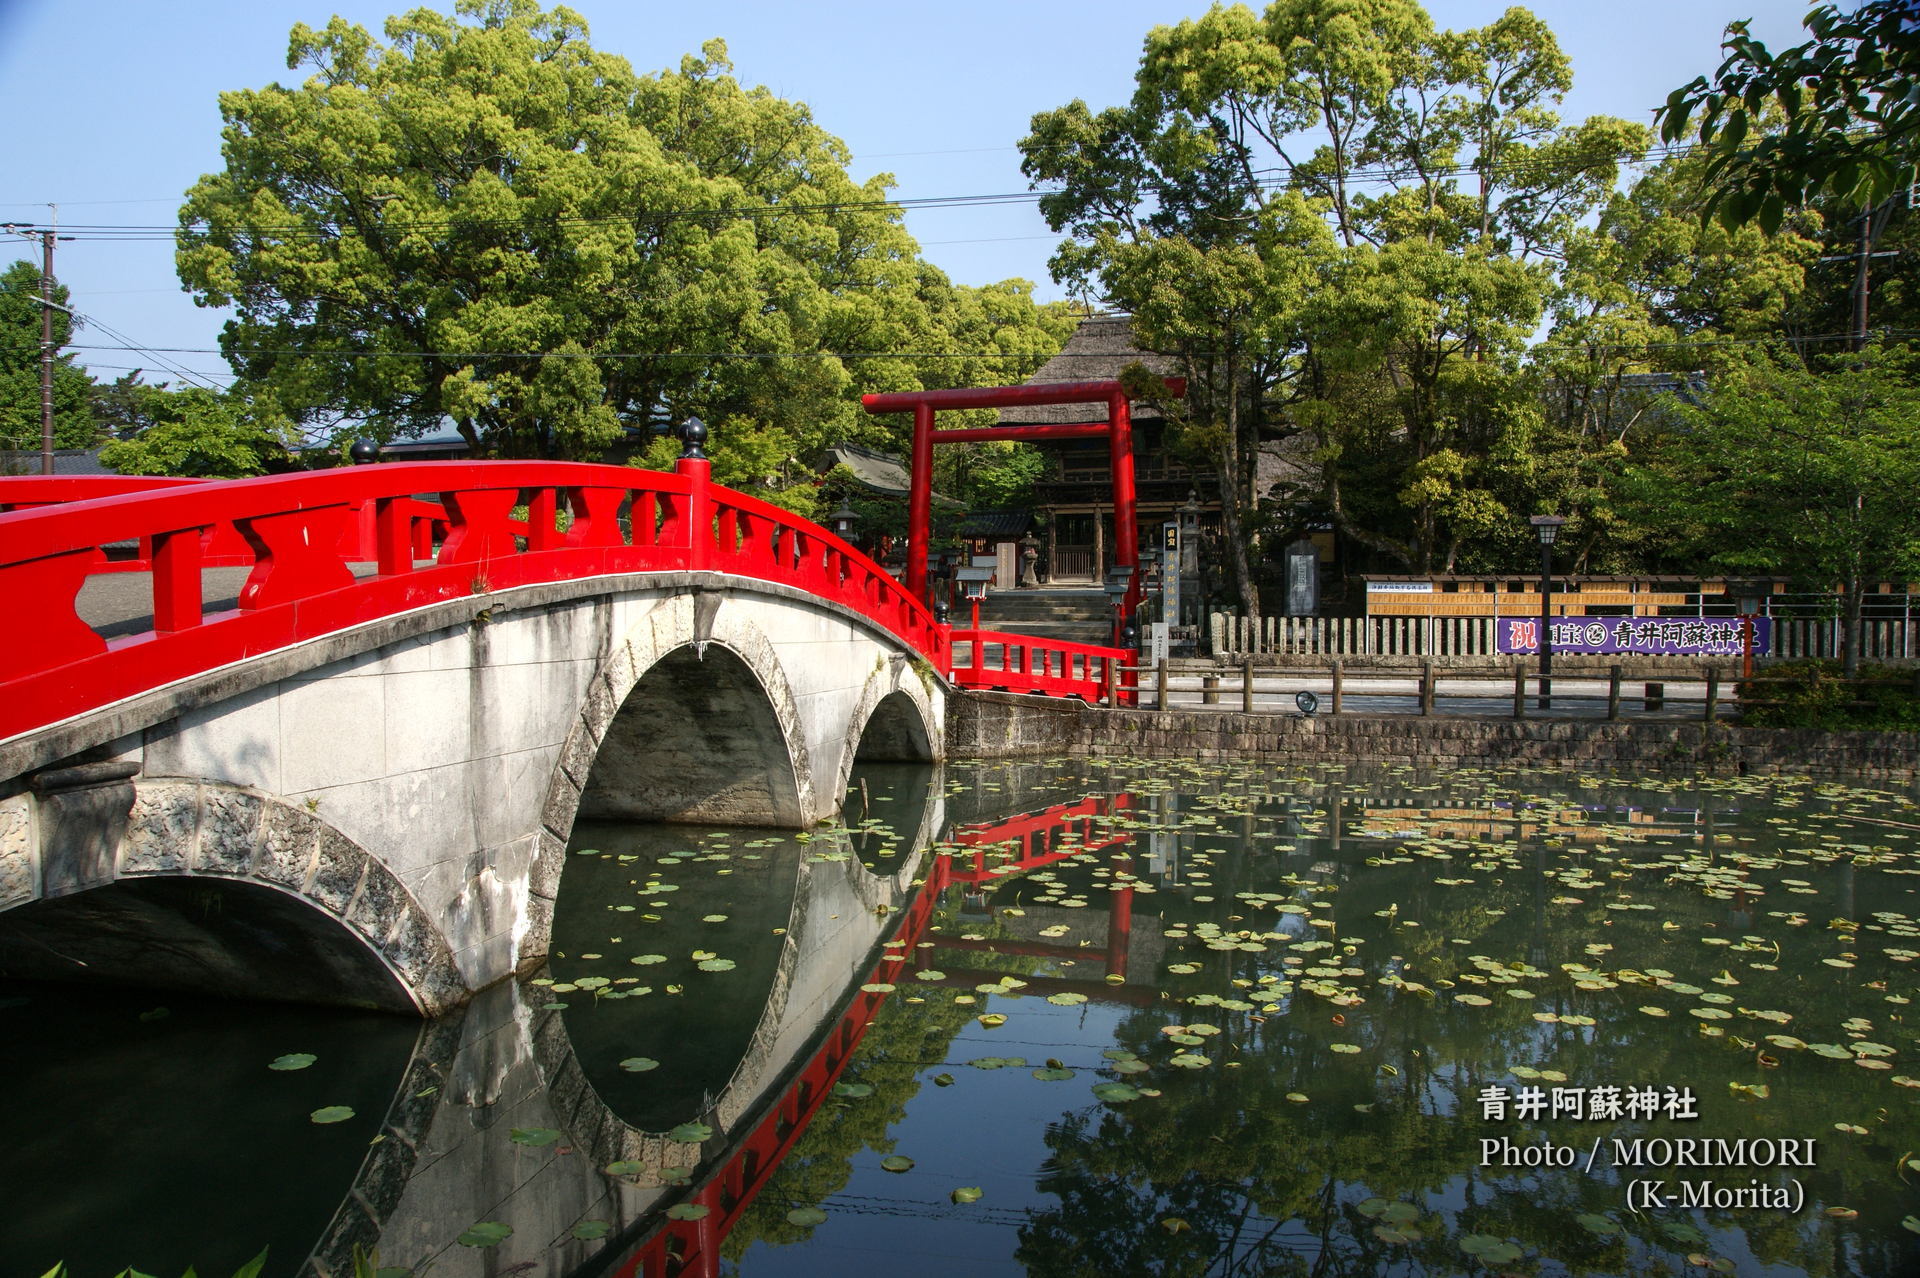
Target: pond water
[{"x": 1070, "y": 1017}]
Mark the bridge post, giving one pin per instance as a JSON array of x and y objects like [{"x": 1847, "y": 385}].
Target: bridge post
[{"x": 694, "y": 465}]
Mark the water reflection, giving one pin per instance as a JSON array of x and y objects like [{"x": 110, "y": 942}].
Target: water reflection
[{"x": 1165, "y": 1018}]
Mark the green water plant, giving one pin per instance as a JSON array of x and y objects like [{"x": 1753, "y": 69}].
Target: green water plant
[{"x": 249, "y": 1270}]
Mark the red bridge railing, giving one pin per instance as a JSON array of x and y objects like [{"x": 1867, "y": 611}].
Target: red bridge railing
[
  {"x": 1001, "y": 662},
  {"x": 328, "y": 550}
]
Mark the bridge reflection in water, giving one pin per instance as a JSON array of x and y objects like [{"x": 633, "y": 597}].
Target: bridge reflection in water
[
  {"x": 577, "y": 1107},
  {"x": 516, "y": 1110}
]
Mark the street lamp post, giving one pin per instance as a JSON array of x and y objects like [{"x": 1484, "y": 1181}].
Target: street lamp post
[{"x": 1546, "y": 527}]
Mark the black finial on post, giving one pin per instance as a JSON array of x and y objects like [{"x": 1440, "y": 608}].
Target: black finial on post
[
  {"x": 693, "y": 435},
  {"x": 940, "y": 610},
  {"x": 364, "y": 451}
]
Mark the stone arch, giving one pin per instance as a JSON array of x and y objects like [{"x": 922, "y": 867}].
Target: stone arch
[
  {"x": 695, "y": 623},
  {"x": 894, "y": 721},
  {"x": 214, "y": 887},
  {"x": 696, "y": 739}
]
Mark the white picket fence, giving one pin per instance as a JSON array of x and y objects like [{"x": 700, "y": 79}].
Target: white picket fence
[{"x": 1474, "y": 637}]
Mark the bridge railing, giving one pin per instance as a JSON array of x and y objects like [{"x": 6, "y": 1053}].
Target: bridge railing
[
  {"x": 221, "y": 545},
  {"x": 1002, "y": 662},
  {"x": 327, "y": 550},
  {"x": 754, "y": 538}
]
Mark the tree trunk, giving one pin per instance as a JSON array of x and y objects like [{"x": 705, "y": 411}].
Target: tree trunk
[
  {"x": 1850, "y": 632},
  {"x": 1233, "y": 524}
]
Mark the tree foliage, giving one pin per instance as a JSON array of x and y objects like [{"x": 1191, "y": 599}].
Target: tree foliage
[
  {"x": 1850, "y": 125},
  {"x": 1343, "y": 220},
  {"x": 1808, "y": 472},
  {"x": 484, "y": 218},
  {"x": 194, "y": 432},
  {"x": 74, "y": 425}
]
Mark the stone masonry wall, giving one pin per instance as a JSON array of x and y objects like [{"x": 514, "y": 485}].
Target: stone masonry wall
[{"x": 996, "y": 725}]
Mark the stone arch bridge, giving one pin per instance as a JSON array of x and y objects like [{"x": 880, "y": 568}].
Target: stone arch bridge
[{"x": 353, "y": 780}]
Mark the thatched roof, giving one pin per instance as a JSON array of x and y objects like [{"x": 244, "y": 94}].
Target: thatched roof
[{"x": 1098, "y": 350}]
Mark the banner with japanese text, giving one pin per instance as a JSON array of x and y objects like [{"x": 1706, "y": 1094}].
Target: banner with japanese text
[{"x": 1644, "y": 636}]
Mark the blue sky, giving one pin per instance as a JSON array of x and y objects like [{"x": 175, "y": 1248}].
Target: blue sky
[{"x": 112, "y": 111}]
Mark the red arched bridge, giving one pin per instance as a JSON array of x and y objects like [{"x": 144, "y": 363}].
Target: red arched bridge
[{"x": 363, "y": 707}]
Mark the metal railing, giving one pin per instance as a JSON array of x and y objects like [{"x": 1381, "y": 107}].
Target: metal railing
[
  {"x": 1882, "y": 638},
  {"x": 1341, "y": 688}
]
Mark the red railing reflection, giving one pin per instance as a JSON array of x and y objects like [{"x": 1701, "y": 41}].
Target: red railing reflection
[{"x": 691, "y": 1249}]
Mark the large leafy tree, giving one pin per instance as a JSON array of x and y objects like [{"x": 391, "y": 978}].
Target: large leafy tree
[
  {"x": 74, "y": 424},
  {"x": 1343, "y": 220},
  {"x": 1814, "y": 472},
  {"x": 486, "y": 219}
]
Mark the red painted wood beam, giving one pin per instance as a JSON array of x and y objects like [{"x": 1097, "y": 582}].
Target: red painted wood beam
[
  {"x": 984, "y": 434},
  {"x": 1126, "y": 528},
  {"x": 920, "y": 502},
  {"x": 1006, "y": 396}
]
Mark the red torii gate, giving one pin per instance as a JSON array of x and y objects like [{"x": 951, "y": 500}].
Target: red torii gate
[{"x": 1118, "y": 428}]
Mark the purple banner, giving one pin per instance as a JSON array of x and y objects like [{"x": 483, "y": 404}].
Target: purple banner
[{"x": 1647, "y": 636}]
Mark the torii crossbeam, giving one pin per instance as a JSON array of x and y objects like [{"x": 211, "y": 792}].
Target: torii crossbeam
[{"x": 1118, "y": 428}]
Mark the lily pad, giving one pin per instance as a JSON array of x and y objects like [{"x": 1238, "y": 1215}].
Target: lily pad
[
  {"x": 487, "y": 1233},
  {"x": 292, "y": 1060},
  {"x": 588, "y": 1230},
  {"x": 1116, "y": 1093},
  {"x": 690, "y": 1133},
  {"x": 806, "y": 1217},
  {"x": 896, "y": 1163},
  {"x": 966, "y": 1194},
  {"x": 687, "y": 1211},
  {"x": 639, "y": 1064},
  {"x": 535, "y": 1136},
  {"x": 332, "y": 1114}
]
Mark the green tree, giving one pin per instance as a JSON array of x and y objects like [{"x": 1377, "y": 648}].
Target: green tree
[
  {"x": 74, "y": 424},
  {"x": 1281, "y": 205},
  {"x": 486, "y": 219},
  {"x": 1785, "y": 469},
  {"x": 195, "y": 432},
  {"x": 1851, "y": 125},
  {"x": 1835, "y": 119}
]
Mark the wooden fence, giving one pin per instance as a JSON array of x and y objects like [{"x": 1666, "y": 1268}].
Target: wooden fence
[{"x": 1474, "y": 637}]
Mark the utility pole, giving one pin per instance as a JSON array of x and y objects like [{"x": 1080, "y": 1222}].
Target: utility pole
[
  {"x": 46, "y": 352},
  {"x": 47, "y": 237},
  {"x": 1873, "y": 222}
]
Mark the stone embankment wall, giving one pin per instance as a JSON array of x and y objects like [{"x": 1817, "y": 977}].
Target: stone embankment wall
[{"x": 996, "y": 725}]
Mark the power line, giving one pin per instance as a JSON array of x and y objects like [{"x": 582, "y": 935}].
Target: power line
[
  {"x": 1271, "y": 179},
  {"x": 310, "y": 353}
]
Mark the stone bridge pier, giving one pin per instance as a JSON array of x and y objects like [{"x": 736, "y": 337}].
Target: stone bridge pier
[{"x": 379, "y": 817}]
